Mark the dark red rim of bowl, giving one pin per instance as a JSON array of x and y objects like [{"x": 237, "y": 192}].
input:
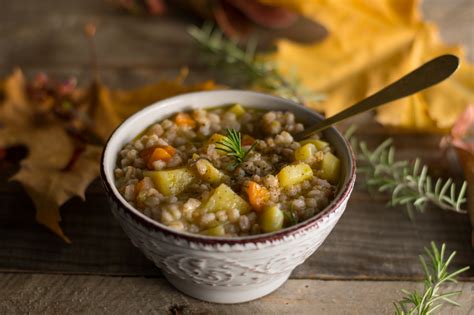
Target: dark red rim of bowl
[{"x": 258, "y": 238}]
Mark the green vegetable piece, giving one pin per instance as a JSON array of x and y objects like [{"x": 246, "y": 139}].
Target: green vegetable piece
[{"x": 271, "y": 219}]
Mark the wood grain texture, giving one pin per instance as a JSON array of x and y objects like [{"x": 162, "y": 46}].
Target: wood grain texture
[
  {"x": 49, "y": 34},
  {"x": 102, "y": 273},
  {"x": 59, "y": 294},
  {"x": 370, "y": 242}
]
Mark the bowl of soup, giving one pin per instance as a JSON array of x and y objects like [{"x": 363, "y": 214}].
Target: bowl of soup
[{"x": 214, "y": 189}]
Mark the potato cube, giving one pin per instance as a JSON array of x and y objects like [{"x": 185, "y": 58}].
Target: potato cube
[
  {"x": 208, "y": 172},
  {"x": 224, "y": 198},
  {"x": 294, "y": 174},
  {"x": 305, "y": 153},
  {"x": 319, "y": 144},
  {"x": 217, "y": 138},
  {"x": 171, "y": 182},
  {"x": 215, "y": 231},
  {"x": 331, "y": 168},
  {"x": 237, "y": 109}
]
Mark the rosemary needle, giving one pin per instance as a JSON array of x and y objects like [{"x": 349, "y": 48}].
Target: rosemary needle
[
  {"x": 232, "y": 146},
  {"x": 260, "y": 73}
]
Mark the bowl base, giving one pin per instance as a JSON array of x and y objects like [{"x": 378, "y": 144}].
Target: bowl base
[{"x": 226, "y": 295}]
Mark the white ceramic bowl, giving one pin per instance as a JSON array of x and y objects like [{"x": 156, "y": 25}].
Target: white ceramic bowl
[{"x": 220, "y": 269}]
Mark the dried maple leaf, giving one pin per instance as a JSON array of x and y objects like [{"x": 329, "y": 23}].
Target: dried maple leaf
[
  {"x": 50, "y": 148},
  {"x": 372, "y": 43},
  {"x": 55, "y": 123}
]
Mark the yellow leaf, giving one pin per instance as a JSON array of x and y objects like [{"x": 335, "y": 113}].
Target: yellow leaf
[{"x": 372, "y": 43}]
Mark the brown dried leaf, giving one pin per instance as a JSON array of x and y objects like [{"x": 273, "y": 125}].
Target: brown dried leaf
[
  {"x": 47, "y": 183},
  {"x": 15, "y": 110},
  {"x": 50, "y": 149},
  {"x": 59, "y": 166}
]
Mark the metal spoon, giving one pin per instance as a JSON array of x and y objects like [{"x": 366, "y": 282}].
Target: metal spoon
[{"x": 430, "y": 73}]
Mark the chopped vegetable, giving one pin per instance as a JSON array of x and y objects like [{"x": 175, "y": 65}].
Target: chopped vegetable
[
  {"x": 150, "y": 155},
  {"x": 171, "y": 182},
  {"x": 139, "y": 186},
  {"x": 331, "y": 167},
  {"x": 294, "y": 174},
  {"x": 258, "y": 195},
  {"x": 214, "y": 139},
  {"x": 183, "y": 119},
  {"x": 208, "y": 172},
  {"x": 158, "y": 154},
  {"x": 319, "y": 144},
  {"x": 224, "y": 198},
  {"x": 215, "y": 231},
  {"x": 146, "y": 153},
  {"x": 170, "y": 150},
  {"x": 306, "y": 152},
  {"x": 247, "y": 140},
  {"x": 271, "y": 219},
  {"x": 237, "y": 109},
  {"x": 237, "y": 172}
]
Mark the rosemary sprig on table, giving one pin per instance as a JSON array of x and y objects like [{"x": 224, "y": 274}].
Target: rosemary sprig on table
[
  {"x": 436, "y": 274},
  {"x": 225, "y": 53},
  {"x": 408, "y": 183},
  {"x": 232, "y": 146}
]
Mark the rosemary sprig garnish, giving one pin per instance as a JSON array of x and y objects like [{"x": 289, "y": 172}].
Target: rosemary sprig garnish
[
  {"x": 232, "y": 146},
  {"x": 436, "y": 274},
  {"x": 408, "y": 183},
  {"x": 263, "y": 74}
]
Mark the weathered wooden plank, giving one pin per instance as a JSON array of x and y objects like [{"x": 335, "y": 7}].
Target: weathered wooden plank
[
  {"x": 59, "y": 294},
  {"x": 127, "y": 41},
  {"x": 370, "y": 241},
  {"x": 48, "y": 35},
  {"x": 27, "y": 9},
  {"x": 52, "y": 35}
]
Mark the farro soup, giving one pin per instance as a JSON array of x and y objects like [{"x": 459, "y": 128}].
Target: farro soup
[{"x": 227, "y": 171}]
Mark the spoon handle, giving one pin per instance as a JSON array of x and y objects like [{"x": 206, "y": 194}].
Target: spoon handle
[{"x": 431, "y": 73}]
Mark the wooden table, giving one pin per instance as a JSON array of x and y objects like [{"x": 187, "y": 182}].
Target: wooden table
[{"x": 371, "y": 254}]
